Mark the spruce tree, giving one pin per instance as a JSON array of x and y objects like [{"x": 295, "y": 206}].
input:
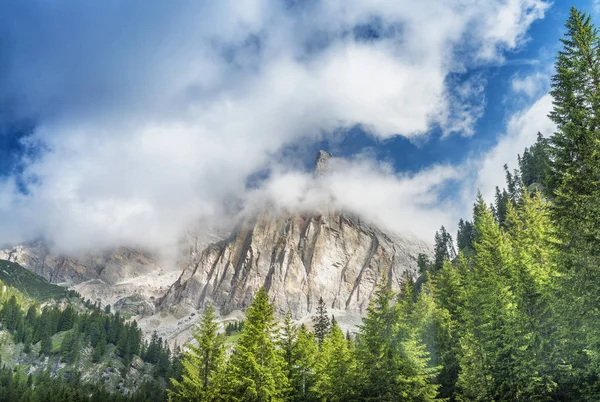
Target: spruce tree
[
  {"x": 287, "y": 343},
  {"x": 255, "y": 371},
  {"x": 392, "y": 361},
  {"x": 443, "y": 248},
  {"x": 465, "y": 236},
  {"x": 321, "y": 323},
  {"x": 487, "y": 357},
  {"x": 304, "y": 358},
  {"x": 378, "y": 352},
  {"x": 202, "y": 363},
  {"x": 533, "y": 243},
  {"x": 574, "y": 186},
  {"x": 335, "y": 368}
]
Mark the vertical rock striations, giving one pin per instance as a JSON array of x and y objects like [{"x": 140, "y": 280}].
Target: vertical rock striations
[{"x": 298, "y": 258}]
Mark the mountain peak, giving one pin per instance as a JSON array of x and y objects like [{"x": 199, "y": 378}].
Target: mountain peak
[{"x": 322, "y": 162}]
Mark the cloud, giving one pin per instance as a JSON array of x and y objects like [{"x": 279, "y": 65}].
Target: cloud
[
  {"x": 521, "y": 132},
  {"x": 153, "y": 114},
  {"x": 531, "y": 85},
  {"x": 403, "y": 203}
]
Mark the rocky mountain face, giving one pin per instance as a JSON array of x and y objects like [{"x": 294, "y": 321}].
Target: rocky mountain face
[
  {"x": 110, "y": 266},
  {"x": 127, "y": 278},
  {"x": 298, "y": 258}
]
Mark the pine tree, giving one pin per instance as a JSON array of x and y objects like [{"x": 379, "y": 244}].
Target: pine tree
[
  {"x": 304, "y": 358},
  {"x": 321, "y": 323},
  {"x": 501, "y": 201},
  {"x": 443, "y": 248},
  {"x": 533, "y": 244},
  {"x": 489, "y": 315},
  {"x": 46, "y": 338},
  {"x": 378, "y": 352},
  {"x": 287, "y": 344},
  {"x": 100, "y": 348},
  {"x": 255, "y": 371},
  {"x": 423, "y": 263},
  {"x": 574, "y": 186},
  {"x": 393, "y": 363},
  {"x": 335, "y": 368},
  {"x": 535, "y": 164},
  {"x": 465, "y": 236},
  {"x": 202, "y": 363}
]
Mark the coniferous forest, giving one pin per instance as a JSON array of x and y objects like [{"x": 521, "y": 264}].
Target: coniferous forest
[{"x": 509, "y": 310}]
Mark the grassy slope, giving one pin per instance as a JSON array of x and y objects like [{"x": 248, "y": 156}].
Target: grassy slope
[{"x": 29, "y": 283}]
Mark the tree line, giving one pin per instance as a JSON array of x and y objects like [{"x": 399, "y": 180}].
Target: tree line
[{"x": 30, "y": 324}]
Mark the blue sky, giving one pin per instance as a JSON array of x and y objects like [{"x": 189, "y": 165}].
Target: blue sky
[
  {"x": 535, "y": 55},
  {"x": 125, "y": 123}
]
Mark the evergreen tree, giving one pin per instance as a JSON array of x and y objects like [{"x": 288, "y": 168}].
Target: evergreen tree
[
  {"x": 202, "y": 363},
  {"x": 335, "y": 368},
  {"x": 501, "y": 202},
  {"x": 423, "y": 263},
  {"x": 304, "y": 358},
  {"x": 574, "y": 186},
  {"x": 465, "y": 236},
  {"x": 256, "y": 368},
  {"x": 100, "y": 348},
  {"x": 533, "y": 274},
  {"x": 321, "y": 323},
  {"x": 513, "y": 184},
  {"x": 487, "y": 348},
  {"x": 535, "y": 164},
  {"x": 287, "y": 343},
  {"x": 392, "y": 361},
  {"x": 443, "y": 248}
]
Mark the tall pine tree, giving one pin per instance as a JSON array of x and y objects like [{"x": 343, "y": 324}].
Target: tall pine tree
[
  {"x": 202, "y": 364},
  {"x": 256, "y": 368}
]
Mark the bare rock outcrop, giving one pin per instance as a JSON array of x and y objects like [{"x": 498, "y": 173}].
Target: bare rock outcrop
[
  {"x": 298, "y": 258},
  {"x": 109, "y": 266}
]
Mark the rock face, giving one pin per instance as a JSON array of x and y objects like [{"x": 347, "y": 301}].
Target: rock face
[
  {"x": 127, "y": 278},
  {"x": 322, "y": 162},
  {"x": 110, "y": 266},
  {"x": 298, "y": 258}
]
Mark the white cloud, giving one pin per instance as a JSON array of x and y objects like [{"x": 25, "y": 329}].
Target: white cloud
[
  {"x": 156, "y": 113},
  {"x": 407, "y": 204},
  {"x": 531, "y": 85},
  {"x": 521, "y": 132}
]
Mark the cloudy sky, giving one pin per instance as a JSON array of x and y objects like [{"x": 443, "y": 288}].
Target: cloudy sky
[{"x": 125, "y": 122}]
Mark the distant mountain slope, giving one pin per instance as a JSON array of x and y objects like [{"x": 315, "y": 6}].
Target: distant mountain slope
[{"x": 27, "y": 282}]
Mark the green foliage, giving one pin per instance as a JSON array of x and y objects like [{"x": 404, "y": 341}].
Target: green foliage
[
  {"x": 255, "y": 371},
  {"x": 574, "y": 186},
  {"x": 202, "y": 364},
  {"x": 335, "y": 368},
  {"x": 321, "y": 323},
  {"x": 443, "y": 249},
  {"x": 465, "y": 236},
  {"x": 28, "y": 283},
  {"x": 301, "y": 371},
  {"x": 63, "y": 332},
  {"x": 535, "y": 163},
  {"x": 392, "y": 359}
]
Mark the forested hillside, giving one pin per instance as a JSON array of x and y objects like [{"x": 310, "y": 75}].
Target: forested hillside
[
  {"x": 69, "y": 349},
  {"x": 508, "y": 312}
]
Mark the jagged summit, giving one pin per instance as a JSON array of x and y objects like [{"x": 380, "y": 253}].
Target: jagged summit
[{"x": 322, "y": 162}]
